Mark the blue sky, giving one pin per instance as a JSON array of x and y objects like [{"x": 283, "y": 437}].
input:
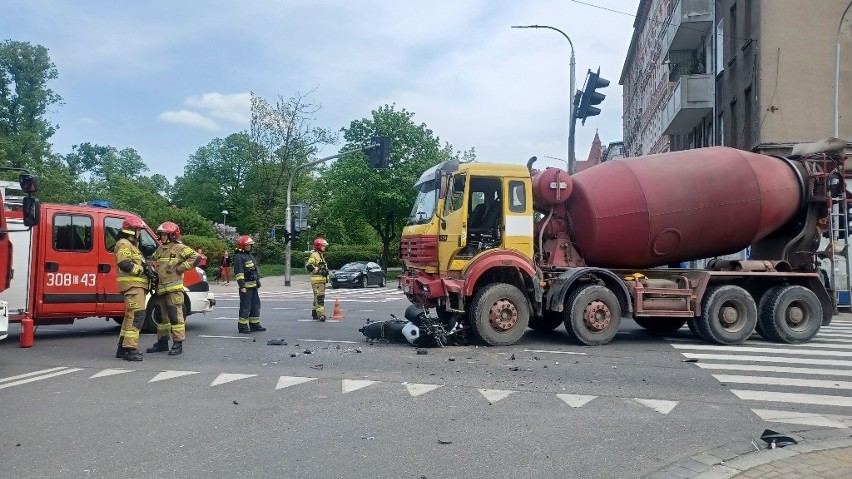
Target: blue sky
[{"x": 167, "y": 77}]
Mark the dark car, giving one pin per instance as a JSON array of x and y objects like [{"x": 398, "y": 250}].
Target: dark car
[{"x": 359, "y": 274}]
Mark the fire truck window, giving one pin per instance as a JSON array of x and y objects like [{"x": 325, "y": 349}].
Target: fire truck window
[
  {"x": 147, "y": 244},
  {"x": 111, "y": 228},
  {"x": 72, "y": 233},
  {"x": 517, "y": 193}
]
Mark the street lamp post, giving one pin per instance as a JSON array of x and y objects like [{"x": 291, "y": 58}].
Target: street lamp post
[
  {"x": 573, "y": 107},
  {"x": 225, "y": 217},
  {"x": 837, "y": 74}
]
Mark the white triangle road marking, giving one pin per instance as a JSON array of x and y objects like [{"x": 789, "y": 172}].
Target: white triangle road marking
[
  {"x": 287, "y": 381},
  {"x": 494, "y": 395},
  {"x": 418, "y": 389},
  {"x": 349, "y": 385},
  {"x": 171, "y": 375},
  {"x": 791, "y": 417},
  {"x": 227, "y": 377},
  {"x": 110, "y": 372},
  {"x": 659, "y": 405},
  {"x": 575, "y": 400}
]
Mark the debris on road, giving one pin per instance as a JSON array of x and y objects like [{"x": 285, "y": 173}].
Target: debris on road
[{"x": 276, "y": 342}]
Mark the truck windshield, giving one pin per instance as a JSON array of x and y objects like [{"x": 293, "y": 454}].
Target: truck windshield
[{"x": 424, "y": 205}]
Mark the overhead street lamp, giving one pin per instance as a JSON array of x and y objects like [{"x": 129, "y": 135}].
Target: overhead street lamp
[
  {"x": 225, "y": 217},
  {"x": 573, "y": 107},
  {"x": 837, "y": 74}
]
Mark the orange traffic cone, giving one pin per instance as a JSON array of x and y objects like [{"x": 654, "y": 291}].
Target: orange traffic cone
[{"x": 337, "y": 314}]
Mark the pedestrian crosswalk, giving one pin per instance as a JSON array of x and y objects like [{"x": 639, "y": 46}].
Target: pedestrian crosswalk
[
  {"x": 805, "y": 384},
  {"x": 363, "y": 295}
]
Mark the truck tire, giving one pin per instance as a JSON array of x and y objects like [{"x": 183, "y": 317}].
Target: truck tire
[
  {"x": 549, "y": 321},
  {"x": 660, "y": 324},
  {"x": 760, "y": 306},
  {"x": 499, "y": 314},
  {"x": 693, "y": 327},
  {"x": 595, "y": 315},
  {"x": 728, "y": 315},
  {"x": 790, "y": 314}
]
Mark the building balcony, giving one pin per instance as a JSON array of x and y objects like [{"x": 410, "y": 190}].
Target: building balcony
[
  {"x": 691, "y": 100},
  {"x": 689, "y": 22}
]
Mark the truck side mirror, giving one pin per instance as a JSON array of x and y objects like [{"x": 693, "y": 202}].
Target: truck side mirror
[{"x": 32, "y": 211}]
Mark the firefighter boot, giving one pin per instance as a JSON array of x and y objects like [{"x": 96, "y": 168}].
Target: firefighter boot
[
  {"x": 256, "y": 327},
  {"x": 119, "y": 353},
  {"x": 132, "y": 355},
  {"x": 161, "y": 345},
  {"x": 177, "y": 348},
  {"x": 243, "y": 328}
]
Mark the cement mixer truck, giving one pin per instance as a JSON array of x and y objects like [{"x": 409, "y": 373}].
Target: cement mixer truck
[{"x": 495, "y": 249}]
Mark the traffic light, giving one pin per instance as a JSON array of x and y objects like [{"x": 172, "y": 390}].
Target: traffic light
[
  {"x": 379, "y": 152},
  {"x": 591, "y": 97}
]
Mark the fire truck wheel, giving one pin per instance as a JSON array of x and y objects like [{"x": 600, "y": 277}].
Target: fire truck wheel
[
  {"x": 728, "y": 315},
  {"x": 499, "y": 314},
  {"x": 790, "y": 314},
  {"x": 151, "y": 316},
  {"x": 660, "y": 325},
  {"x": 549, "y": 321},
  {"x": 595, "y": 315}
]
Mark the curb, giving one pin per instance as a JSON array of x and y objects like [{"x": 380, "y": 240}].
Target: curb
[{"x": 735, "y": 458}]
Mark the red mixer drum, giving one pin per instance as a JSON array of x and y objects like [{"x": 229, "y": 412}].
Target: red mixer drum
[{"x": 659, "y": 209}]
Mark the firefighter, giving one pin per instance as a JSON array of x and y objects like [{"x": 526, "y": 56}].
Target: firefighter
[
  {"x": 318, "y": 268},
  {"x": 133, "y": 283},
  {"x": 170, "y": 261},
  {"x": 248, "y": 281}
]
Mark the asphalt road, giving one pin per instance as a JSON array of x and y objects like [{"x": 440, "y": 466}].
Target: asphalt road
[{"x": 328, "y": 404}]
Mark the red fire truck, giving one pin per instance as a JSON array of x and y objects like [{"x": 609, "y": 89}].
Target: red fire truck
[{"x": 64, "y": 267}]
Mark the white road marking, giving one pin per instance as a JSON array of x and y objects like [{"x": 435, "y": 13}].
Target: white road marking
[
  {"x": 110, "y": 372},
  {"x": 791, "y": 417},
  {"x": 223, "y": 337},
  {"x": 227, "y": 377},
  {"x": 494, "y": 395},
  {"x": 287, "y": 381},
  {"x": 284, "y": 309},
  {"x": 34, "y": 373},
  {"x": 776, "y": 381},
  {"x": 171, "y": 375},
  {"x": 39, "y": 378},
  {"x": 554, "y": 352},
  {"x": 327, "y": 341},
  {"x": 832, "y": 335},
  {"x": 349, "y": 385},
  {"x": 225, "y": 317},
  {"x": 747, "y": 349},
  {"x": 796, "y": 398},
  {"x": 575, "y": 400},
  {"x": 418, "y": 389},
  {"x": 775, "y": 369},
  {"x": 227, "y": 307},
  {"x": 658, "y": 405},
  {"x": 769, "y": 359}
]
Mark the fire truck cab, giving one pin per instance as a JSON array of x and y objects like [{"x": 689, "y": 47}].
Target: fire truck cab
[{"x": 64, "y": 267}]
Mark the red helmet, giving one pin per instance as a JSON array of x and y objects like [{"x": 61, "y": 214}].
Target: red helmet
[
  {"x": 243, "y": 241},
  {"x": 172, "y": 229},
  {"x": 131, "y": 226},
  {"x": 320, "y": 244}
]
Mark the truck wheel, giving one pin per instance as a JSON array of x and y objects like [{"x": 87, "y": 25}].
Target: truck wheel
[
  {"x": 595, "y": 315},
  {"x": 660, "y": 325},
  {"x": 693, "y": 327},
  {"x": 729, "y": 315},
  {"x": 151, "y": 315},
  {"x": 500, "y": 314},
  {"x": 548, "y": 322},
  {"x": 790, "y": 314}
]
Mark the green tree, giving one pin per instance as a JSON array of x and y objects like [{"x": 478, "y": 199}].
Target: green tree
[{"x": 352, "y": 192}]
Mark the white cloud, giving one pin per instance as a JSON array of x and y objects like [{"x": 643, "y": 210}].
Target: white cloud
[
  {"x": 235, "y": 108},
  {"x": 190, "y": 118}
]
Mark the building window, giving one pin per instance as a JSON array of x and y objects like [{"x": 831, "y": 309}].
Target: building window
[
  {"x": 721, "y": 128},
  {"x": 734, "y": 133},
  {"x": 732, "y": 32},
  {"x": 747, "y": 119},
  {"x": 720, "y": 42}
]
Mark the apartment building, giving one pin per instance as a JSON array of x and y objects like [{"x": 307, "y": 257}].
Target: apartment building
[{"x": 752, "y": 74}]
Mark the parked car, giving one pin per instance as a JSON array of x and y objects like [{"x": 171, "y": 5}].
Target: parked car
[{"x": 359, "y": 274}]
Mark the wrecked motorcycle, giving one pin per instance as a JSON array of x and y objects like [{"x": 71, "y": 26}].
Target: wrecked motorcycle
[{"x": 419, "y": 328}]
